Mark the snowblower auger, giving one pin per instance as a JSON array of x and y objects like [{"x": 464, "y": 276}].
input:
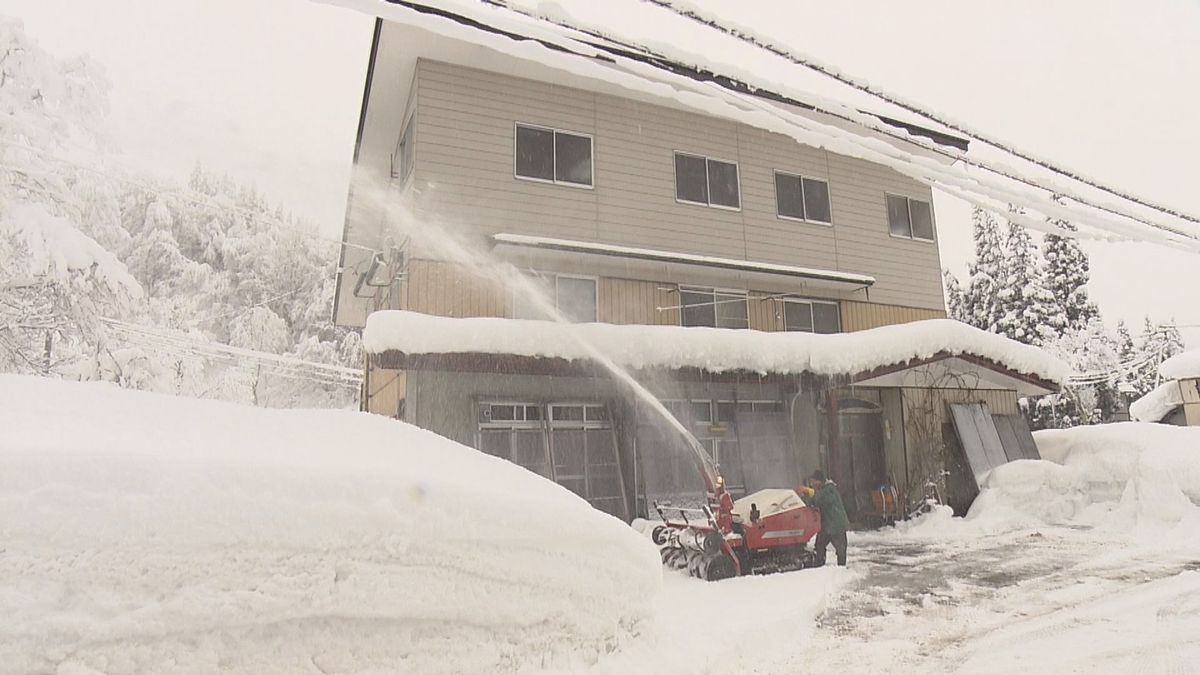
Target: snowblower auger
[{"x": 764, "y": 532}]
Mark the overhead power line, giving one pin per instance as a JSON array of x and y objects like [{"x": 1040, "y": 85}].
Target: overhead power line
[
  {"x": 708, "y": 19},
  {"x": 618, "y": 48}
]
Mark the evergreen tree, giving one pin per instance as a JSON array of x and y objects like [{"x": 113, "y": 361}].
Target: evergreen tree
[
  {"x": 1066, "y": 278},
  {"x": 1026, "y": 309},
  {"x": 980, "y": 305},
  {"x": 954, "y": 295}
]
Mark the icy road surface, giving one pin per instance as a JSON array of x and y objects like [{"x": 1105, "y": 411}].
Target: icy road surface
[{"x": 1054, "y": 600}]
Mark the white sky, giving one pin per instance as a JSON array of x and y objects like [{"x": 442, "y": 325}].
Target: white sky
[{"x": 269, "y": 92}]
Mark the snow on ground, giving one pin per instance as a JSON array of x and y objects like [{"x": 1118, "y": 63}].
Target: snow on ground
[
  {"x": 713, "y": 349},
  {"x": 1088, "y": 561},
  {"x": 143, "y": 533}
]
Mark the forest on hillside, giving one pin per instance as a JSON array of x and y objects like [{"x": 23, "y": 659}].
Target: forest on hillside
[{"x": 202, "y": 289}]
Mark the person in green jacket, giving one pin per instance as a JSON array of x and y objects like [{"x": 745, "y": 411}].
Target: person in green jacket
[{"x": 834, "y": 522}]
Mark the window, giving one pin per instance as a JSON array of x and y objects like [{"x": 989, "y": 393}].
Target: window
[
  {"x": 712, "y": 182},
  {"x": 553, "y": 156},
  {"x": 714, "y": 308},
  {"x": 574, "y": 297},
  {"x": 811, "y": 316},
  {"x": 402, "y": 160},
  {"x": 802, "y": 198},
  {"x": 909, "y": 218}
]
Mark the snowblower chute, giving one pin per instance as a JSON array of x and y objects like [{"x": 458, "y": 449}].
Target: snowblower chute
[{"x": 764, "y": 532}]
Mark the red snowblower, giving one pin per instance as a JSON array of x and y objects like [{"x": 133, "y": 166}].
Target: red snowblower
[{"x": 761, "y": 533}]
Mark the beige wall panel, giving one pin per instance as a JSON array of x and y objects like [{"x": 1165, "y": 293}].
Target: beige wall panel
[
  {"x": 385, "y": 390},
  {"x": 464, "y": 176},
  {"x": 863, "y": 315}
]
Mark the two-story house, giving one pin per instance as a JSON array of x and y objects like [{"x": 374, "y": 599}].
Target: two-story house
[{"x": 480, "y": 174}]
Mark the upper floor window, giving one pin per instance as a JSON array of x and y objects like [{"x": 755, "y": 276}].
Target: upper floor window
[
  {"x": 573, "y": 296},
  {"x": 703, "y": 180},
  {"x": 402, "y": 160},
  {"x": 802, "y": 198},
  {"x": 553, "y": 156},
  {"x": 811, "y": 316},
  {"x": 909, "y": 218},
  {"x": 713, "y": 307}
]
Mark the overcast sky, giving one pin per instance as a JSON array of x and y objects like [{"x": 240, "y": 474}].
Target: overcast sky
[{"x": 269, "y": 90}]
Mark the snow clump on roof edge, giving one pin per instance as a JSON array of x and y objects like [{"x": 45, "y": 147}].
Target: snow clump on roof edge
[
  {"x": 711, "y": 349},
  {"x": 1181, "y": 366}
]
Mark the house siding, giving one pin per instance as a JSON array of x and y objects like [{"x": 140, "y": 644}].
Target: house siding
[
  {"x": 865, "y": 315},
  {"x": 464, "y": 145}
]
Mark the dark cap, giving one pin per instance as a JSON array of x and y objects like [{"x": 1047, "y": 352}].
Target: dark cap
[{"x": 818, "y": 475}]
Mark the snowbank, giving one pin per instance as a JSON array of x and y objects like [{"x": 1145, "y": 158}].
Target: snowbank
[
  {"x": 1181, "y": 366},
  {"x": 711, "y": 349},
  {"x": 144, "y": 533},
  {"x": 1158, "y": 403},
  {"x": 1130, "y": 478}
]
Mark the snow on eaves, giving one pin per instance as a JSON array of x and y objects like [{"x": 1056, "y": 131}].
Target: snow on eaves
[
  {"x": 1181, "y": 366},
  {"x": 1158, "y": 403},
  {"x": 572, "y": 47},
  {"x": 711, "y": 349}
]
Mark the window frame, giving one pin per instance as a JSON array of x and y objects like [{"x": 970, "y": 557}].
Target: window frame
[
  {"x": 713, "y": 292},
  {"x": 887, "y": 216},
  {"x": 595, "y": 288},
  {"x": 803, "y": 198},
  {"x": 812, "y": 315},
  {"x": 707, "y": 181},
  {"x": 554, "y": 156}
]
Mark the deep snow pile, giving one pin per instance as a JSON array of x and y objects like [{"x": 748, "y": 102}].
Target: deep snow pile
[
  {"x": 712, "y": 349},
  {"x": 145, "y": 533},
  {"x": 1133, "y": 478}
]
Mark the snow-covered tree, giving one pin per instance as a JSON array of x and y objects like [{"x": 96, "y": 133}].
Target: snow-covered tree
[
  {"x": 57, "y": 279},
  {"x": 207, "y": 262},
  {"x": 980, "y": 305},
  {"x": 1026, "y": 309},
  {"x": 1066, "y": 276}
]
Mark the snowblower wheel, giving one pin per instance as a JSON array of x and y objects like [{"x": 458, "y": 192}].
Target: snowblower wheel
[
  {"x": 660, "y": 534},
  {"x": 717, "y": 567}
]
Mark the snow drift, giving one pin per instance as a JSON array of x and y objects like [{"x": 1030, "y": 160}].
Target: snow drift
[
  {"x": 144, "y": 533},
  {"x": 1128, "y": 479}
]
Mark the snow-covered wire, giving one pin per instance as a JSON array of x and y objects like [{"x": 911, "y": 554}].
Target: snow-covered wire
[
  {"x": 247, "y": 358},
  {"x": 694, "y": 13},
  {"x": 960, "y": 187}
]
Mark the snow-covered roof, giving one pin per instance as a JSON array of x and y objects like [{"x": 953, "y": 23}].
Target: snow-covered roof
[
  {"x": 709, "y": 349},
  {"x": 573, "y": 246},
  {"x": 1181, "y": 366},
  {"x": 1157, "y": 404}
]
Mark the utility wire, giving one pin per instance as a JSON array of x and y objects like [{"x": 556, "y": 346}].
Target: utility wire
[
  {"x": 713, "y": 22},
  {"x": 885, "y": 130}
]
